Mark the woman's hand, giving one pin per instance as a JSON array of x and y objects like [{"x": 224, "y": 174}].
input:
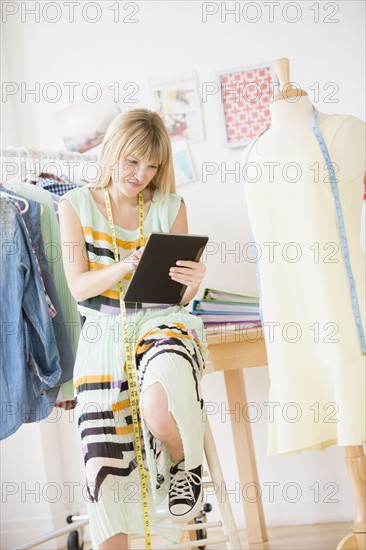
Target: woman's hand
[
  {"x": 188, "y": 273},
  {"x": 132, "y": 260}
]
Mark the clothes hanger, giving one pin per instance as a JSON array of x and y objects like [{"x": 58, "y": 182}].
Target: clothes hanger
[
  {"x": 18, "y": 156},
  {"x": 31, "y": 164},
  {"x": 52, "y": 156},
  {"x": 17, "y": 198},
  {"x": 56, "y": 205}
]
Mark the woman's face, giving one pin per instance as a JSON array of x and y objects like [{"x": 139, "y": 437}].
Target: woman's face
[{"x": 134, "y": 174}]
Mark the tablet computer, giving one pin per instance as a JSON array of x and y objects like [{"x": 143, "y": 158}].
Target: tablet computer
[{"x": 151, "y": 282}]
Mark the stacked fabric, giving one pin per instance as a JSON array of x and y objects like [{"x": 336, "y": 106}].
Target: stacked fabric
[{"x": 219, "y": 307}]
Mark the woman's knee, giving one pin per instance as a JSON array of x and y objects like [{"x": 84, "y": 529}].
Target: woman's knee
[
  {"x": 117, "y": 542},
  {"x": 154, "y": 404}
]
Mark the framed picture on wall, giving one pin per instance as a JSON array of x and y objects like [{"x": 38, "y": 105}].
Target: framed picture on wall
[
  {"x": 245, "y": 94},
  {"x": 176, "y": 98},
  {"x": 83, "y": 124},
  {"x": 183, "y": 168}
]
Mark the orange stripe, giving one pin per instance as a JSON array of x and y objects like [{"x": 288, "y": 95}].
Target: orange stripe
[
  {"x": 93, "y": 266},
  {"x": 93, "y": 379},
  {"x": 120, "y": 405},
  {"x": 145, "y": 347},
  {"x": 165, "y": 332},
  {"x": 173, "y": 334},
  {"x": 87, "y": 230},
  {"x": 124, "y": 430},
  {"x": 111, "y": 294},
  {"x": 100, "y": 235}
]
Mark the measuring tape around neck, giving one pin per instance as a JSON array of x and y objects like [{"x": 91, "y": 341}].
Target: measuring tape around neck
[{"x": 133, "y": 387}]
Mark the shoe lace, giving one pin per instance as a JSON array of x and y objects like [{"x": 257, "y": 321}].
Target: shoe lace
[{"x": 182, "y": 485}]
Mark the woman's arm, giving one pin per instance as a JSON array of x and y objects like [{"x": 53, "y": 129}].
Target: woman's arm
[
  {"x": 186, "y": 272},
  {"x": 83, "y": 283}
]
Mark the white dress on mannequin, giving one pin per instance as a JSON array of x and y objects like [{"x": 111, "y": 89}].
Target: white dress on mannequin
[{"x": 316, "y": 366}]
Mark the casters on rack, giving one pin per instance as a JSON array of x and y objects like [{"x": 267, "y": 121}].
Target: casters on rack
[
  {"x": 202, "y": 533},
  {"x": 73, "y": 542},
  {"x": 75, "y": 538}
]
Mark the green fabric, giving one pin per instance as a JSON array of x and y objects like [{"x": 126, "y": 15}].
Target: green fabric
[{"x": 50, "y": 230}]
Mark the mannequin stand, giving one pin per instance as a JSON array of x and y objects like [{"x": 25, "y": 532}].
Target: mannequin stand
[{"x": 356, "y": 466}]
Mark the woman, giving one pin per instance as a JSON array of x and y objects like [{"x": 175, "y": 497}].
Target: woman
[{"x": 137, "y": 180}]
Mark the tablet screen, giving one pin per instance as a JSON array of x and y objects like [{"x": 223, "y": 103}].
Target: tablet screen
[{"x": 151, "y": 282}]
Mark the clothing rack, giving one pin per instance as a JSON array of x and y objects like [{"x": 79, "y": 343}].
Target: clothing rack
[{"x": 22, "y": 163}]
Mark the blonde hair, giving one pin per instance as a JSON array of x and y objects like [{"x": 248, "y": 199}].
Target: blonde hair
[{"x": 142, "y": 134}]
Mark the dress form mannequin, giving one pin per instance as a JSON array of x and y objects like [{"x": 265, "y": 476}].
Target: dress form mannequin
[{"x": 292, "y": 115}]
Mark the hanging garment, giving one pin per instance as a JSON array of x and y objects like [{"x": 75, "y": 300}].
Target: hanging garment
[
  {"x": 52, "y": 246},
  {"x": 53, "y": 183},
  {"x": 30, "y": 362},
  {"x": 51, "y": 308},
  {"x": 47, "y": 399},
  {"x": 312, "y": 330},
  {"x": 170, "y": 349}
]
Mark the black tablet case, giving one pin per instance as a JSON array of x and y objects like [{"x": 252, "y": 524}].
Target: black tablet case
[{"x": 151, "y": 282}]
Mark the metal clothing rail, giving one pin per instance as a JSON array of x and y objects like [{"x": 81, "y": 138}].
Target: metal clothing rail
[
  {"x": 22, "y": 163},
  {"x": 24, "y": 152},
  {"x": 200, "y": 526},
  {"x": 54, "y": 534}
]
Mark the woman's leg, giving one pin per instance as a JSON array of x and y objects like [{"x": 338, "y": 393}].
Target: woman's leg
[
  {"x": 172, "y": 411},
  {"x": 117, "y": 542},
  {"x": 170, "y": 397},
  {"x": 160, "y": 421},
  {"x": 185, "y": 487}
]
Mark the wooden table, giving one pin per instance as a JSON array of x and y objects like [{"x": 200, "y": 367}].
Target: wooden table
[{"x": 230, "y": 353}]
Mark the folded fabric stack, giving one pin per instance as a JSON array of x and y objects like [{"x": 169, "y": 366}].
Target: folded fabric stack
[{"x": 218, "y": 307}]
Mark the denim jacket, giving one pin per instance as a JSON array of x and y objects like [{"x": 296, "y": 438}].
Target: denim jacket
[
  {"x": 30, "y": 361},
  {"x": 46, "y": 400}
]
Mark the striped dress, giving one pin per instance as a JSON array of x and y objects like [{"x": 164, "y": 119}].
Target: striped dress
[{"x": 170, "y": 348}]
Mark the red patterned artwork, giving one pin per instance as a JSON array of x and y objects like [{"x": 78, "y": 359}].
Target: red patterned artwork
[{"x": 245, "y": 96}]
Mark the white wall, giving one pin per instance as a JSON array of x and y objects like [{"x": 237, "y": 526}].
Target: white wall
[
  {"x": 169, "y": 38},
  {"x": 9, "y": 122}
]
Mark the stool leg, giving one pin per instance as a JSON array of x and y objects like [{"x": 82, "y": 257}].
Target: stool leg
[{"x": 222, "y": 500}]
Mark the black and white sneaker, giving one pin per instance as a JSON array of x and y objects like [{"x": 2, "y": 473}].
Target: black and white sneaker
[{"x": 185, "y": 493}]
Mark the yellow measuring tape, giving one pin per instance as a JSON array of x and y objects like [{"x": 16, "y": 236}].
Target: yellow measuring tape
[{"x": 133, "y": 386}]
